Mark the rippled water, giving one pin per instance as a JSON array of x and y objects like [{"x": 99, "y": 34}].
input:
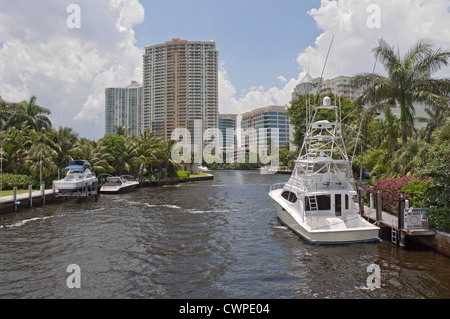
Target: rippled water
[{"x": 209, "y": 239}]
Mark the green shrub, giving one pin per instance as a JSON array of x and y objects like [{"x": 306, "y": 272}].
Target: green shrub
[
  {"x": 434, "y": 163},
  {"x": 439, "y": 218},
  {"x": 9, "y": 181},
  {"x": 419, "y": 193},
  {"x": 183, "y": 175}
]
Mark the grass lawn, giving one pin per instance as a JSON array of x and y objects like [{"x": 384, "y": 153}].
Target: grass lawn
[
  {"x": 198, "y": 175},
  {"x": 10, "y": 192}
]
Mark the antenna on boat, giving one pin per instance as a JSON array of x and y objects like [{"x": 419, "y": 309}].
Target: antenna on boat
[{"x": 323, "y": 70}]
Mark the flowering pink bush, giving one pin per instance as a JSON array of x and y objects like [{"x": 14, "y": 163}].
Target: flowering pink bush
[{"x": 390, "y": 191}]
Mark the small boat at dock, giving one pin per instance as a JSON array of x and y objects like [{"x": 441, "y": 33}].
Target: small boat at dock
[
  {"x": 78, "y": 178},
  {"x": 118, "y": 185}
]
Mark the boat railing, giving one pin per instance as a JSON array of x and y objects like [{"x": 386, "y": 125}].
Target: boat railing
[{"x": 276, "y": 186}]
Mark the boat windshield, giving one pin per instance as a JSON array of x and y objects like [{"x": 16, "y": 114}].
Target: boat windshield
[{"x": 114, "y": 180}]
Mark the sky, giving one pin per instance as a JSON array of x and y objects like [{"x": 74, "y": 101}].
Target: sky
[{"x": 67, "y": 57}]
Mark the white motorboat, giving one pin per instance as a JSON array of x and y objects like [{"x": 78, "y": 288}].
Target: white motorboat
[
  {"x": 202, "y": 168},
  {"x": 118, "y": 185},
  {"x": 318, "y": 201},
  {"x": 78, "y": 178}
]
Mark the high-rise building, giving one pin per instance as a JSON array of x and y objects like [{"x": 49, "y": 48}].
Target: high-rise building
[
  {"x": 304, "y": 87},
  {"x": 227, "y": 127},
  {"x": 180, "y": 86},
  {"x": 270, "y": 117},
  {"x": 123, "y": 107}
]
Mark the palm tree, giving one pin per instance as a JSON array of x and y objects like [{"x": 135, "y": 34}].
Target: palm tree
[
  {"x": 408, "y": 81},
  {"x": 96, "y": 154},
  {"x": 62, "y": 141},
  {"x": 28, "y": 113},
  {"x": 6, "y": 110},
  {"x": 390, "y": 127},
  {"x": 15, "y": 143},
  {"x": 165, "y": 158},
  {"x": 434, "y": 121},
  {"x": 41, "y": 157},
  {"x": 144, "y": 150}
]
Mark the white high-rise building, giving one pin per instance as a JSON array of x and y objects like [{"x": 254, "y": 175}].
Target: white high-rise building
[{"x": 123, "y": 107}]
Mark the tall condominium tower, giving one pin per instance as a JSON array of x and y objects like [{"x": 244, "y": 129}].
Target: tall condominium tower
[
  {"x": 123, "y": 107},
  {"x": 180, "y": 86}
]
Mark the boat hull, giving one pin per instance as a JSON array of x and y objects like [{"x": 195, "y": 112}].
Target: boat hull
[
  {"x": 65, "y": 186},
  {"x": 328, "y": 237},
  {"x": 117, "y": 189}
]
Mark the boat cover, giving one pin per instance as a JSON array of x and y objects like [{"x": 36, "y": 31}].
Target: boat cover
[{"x": 75, "y": 167}]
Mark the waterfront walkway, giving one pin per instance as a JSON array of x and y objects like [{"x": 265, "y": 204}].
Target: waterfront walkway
[
  {"x": 387, "y": 219},
  {"x": 24, "y": 196}
]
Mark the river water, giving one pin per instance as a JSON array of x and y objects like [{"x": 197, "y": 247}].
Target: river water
[{"x": 211, "y": 239}]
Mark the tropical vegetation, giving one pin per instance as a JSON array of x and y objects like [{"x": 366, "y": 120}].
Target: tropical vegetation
[{"x": 33, "y": 151}]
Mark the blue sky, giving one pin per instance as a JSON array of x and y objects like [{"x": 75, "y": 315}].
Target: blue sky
[
  {"x": 257, "y": 40},
  {"x": 265, "y": 46}
]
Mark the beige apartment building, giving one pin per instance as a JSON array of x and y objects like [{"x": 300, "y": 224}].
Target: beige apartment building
[
  {"x": 339, "y": 86},
  {"x": 180, "y": 86}
]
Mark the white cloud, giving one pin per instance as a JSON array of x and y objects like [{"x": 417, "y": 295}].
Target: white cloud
[
  {"x": 402, "y": 23},
  {"x": 69, "y": 69},
  {"x": 255, "y": 97},
  {"x": 282, "y": 78}
]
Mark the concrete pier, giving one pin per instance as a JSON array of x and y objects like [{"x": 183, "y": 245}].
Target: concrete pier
[
  {"x": 388, "y": 223},
  {"x": 32, "y": 198}
]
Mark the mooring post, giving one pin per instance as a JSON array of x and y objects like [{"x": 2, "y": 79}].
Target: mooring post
[
  {"x": 361, "y": 204},
  {"x": 379, "y": 206},
  {"x": 400, "y": 218},
  {"x": 54, "y": 191},
  {"x": 30, "y": 196},
  {"x": 43, "y": 193},
  {"x": 15, "y": 198}
]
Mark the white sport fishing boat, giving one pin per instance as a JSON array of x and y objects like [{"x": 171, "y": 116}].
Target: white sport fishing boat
[
  {"x": 78, "y": 178},
  {"x": 118, "y": 185},
  {"x": 318, "y": 201}
]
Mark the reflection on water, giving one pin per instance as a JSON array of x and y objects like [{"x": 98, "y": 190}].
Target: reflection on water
[{"x": 209, "y": 239}]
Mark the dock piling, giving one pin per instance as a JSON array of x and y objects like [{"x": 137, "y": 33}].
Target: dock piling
[
  {"x": 15, "y": 198},
  {"x": 43, "y": 193},
  {"x": 30, "y": 196},
  {"x": 379, "y": 207},
  {"x": 400, "y": 219}
]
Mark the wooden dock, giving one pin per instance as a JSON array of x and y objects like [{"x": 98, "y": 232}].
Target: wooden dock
[{"x": 389, "y": 228}]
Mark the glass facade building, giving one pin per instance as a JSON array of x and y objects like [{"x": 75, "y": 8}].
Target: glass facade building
[
  {"x": 272, "y": 118},
  {"x": 123, "y": 107}
]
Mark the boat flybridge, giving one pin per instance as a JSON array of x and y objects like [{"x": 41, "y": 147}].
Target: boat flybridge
[
  {"x": 78, "y": 178},
  {"x": 318, "y": 201}
]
